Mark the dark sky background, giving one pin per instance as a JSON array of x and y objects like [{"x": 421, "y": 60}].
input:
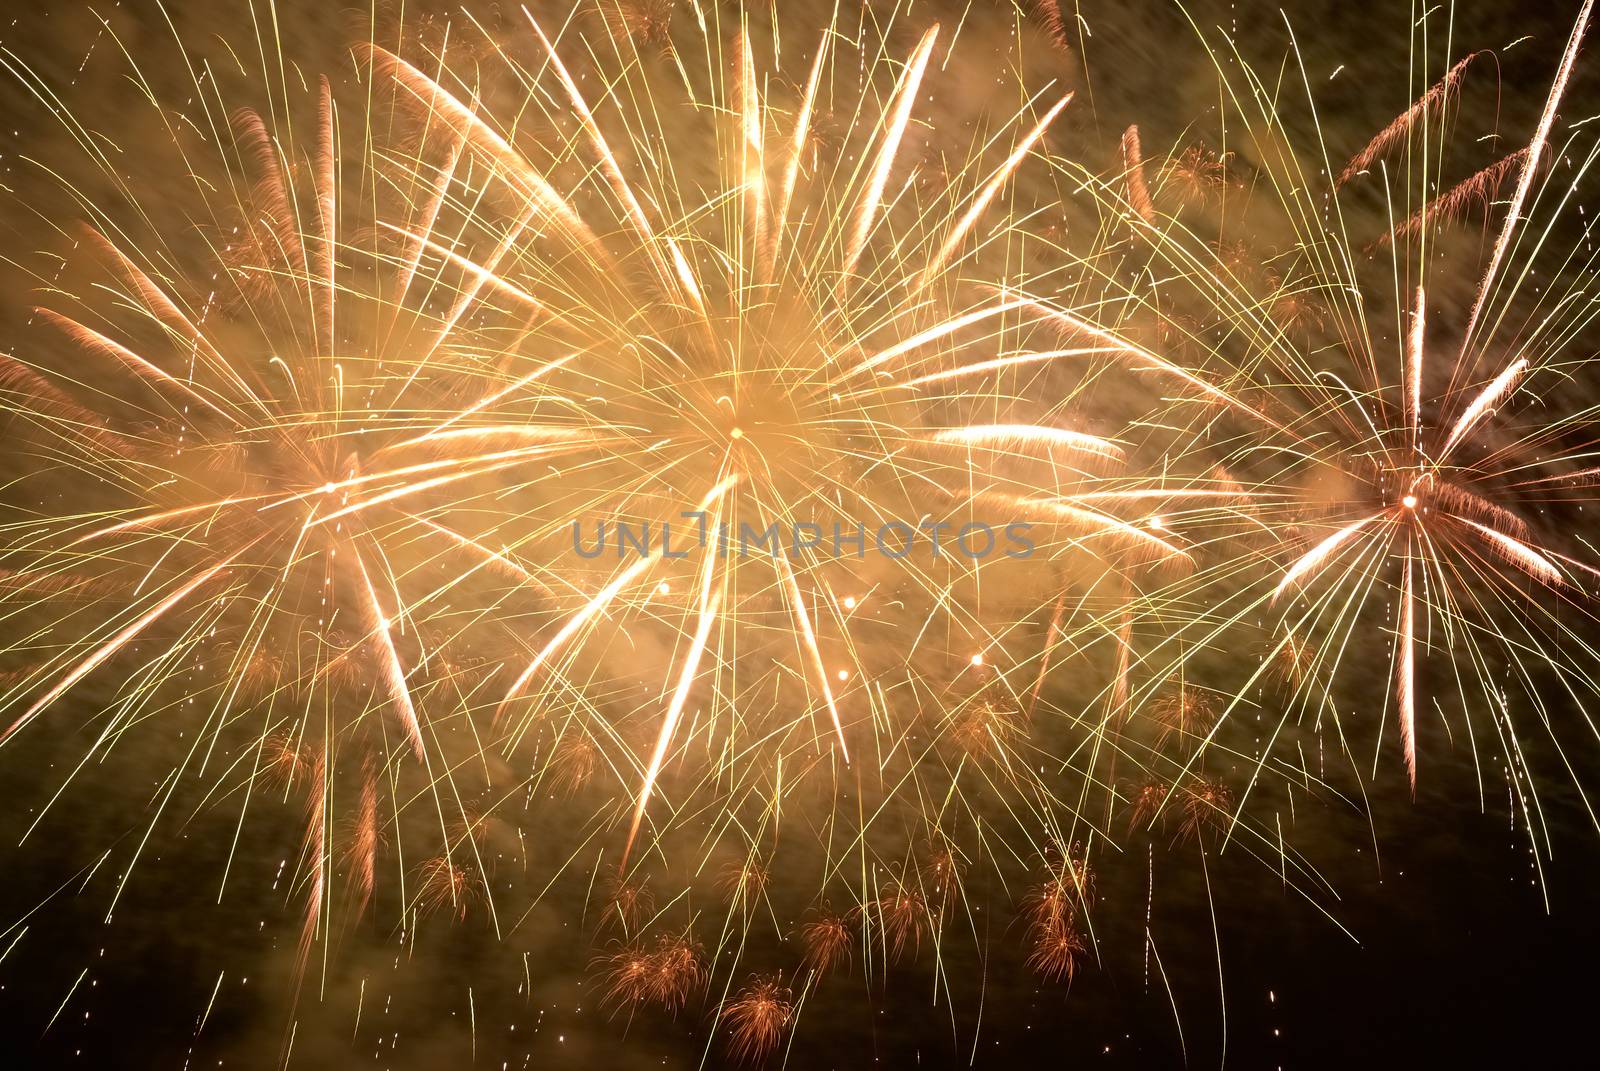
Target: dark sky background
[{"x": 1442, "y": 950}]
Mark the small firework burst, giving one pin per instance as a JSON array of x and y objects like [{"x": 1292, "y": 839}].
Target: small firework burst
[
  {"x": 261, "y": 673},
  {"x": 573, "y": 763},
  {"x": 677, "y": 971},
  {"x": 1055, "y": 951},
  {"x": 1183, "y": 715},
  {"x": 448, "y": 884},
  {"x": 827, "y": 939},
  {"x": 1237, "y": 260},
  {"x": 284, "y": 760},
  {"x": 941, "y": 872},
  {"x": 743, "y": 883},
  {"x": 986, "y": 728},
  {"x": 1296, "y": 305},
  {"x": 626, "y": 975},
  {"x": 627, "y": 902},
  {"x": 1207, "y": 804},
  {"x": 1053, "y": 904},
  {"x": 667, "y": 974},
  {"x": 1294, "y": 661},
  {"x": 1051, "y": 911},
  {"x": 902, "y": 917},
  {"x": 647, "y": 23},
  {"x": 1195, "y": 176},
  {"x": 757, "y": 1018},
  {"x": 474, "y": 823},
  {"x": 1149, "y": 803}
]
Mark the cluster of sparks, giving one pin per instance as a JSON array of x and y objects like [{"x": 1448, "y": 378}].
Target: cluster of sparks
[{"x": 319, "y": 488}]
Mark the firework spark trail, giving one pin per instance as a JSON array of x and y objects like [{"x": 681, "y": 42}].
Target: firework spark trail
[
  {"x": 1318, "y": 556},
  {"x": 1530, "y": 169},
  {"x": 365, "y": 850},
  {"x": 1400, "y": 129},
  {"x": 483, "y": 274},
  {"x": 167, "y": 312},
  {"x": 93, "y": 340},
  {"x": 678, "y": 269},
  {"x": 1096, "y": 520},
  {"x": 474, "y": 131},
  {"x": 512, "y": 388},
  {"x": 1414, "y": 356},
  {"x": 1492, "y": 395},
  {"x": 598, "y": 603},
  {"x": 1452, "y": 205},
  {"x": 905, "y": 99},
  {"x": 322, "y": 263},
  {"x": 997, "y": 364},
  {"x": 576, "y": 622},
  {"x": 1518, "y": 552},
  {"x": 417, "y": 242},
  {"x": 937, "y": 332},
  {"x": 798, "y": 143},
  {"x": 710, "y": 601},
  {"x": 498, "y": 558},
  {"x": 808, "y": 636},
  {"x": 1078, "y": 326},
  {"x": 1407, "y": 674},
  {"x": 752, "y": 153},
  {"x": 120, "y": 640},
  {"x": 986, "y": 194},
  {"x": 1133, "y": 168},
  {"x": 379, "y": 626},
  {"x": 315, "y": 851},
  {"x": 1004, "y": 434}
]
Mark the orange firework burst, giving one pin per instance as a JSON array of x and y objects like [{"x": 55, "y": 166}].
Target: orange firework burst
[
  {"x": 1184, "y": 715},
  {"x": 629, "y": 903},
  {"x": 1195, "y": 176},
  {"x": 1055, "y": 952},
  {"x": 902, "y": 919},
  {"x": 668, "y": 974},
  {"x": 1149, "y": 803},
  {"x": 1207, "y": 804},
  {"x": 827, "y": 940},
  {"x": 743, "y": 883},
  {"x": 758, "y": 1018},
  {"x": 448, "y": 884},
  {"x": 1054, "y": 903},
  {"x": 1051, "y": 911},
  {"x": 796, "y": 336}
]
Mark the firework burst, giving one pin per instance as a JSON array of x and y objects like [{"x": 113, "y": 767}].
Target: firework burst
[
  {"x": 1418, "y": 455},
  {"x": 527, "y": 426}
]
